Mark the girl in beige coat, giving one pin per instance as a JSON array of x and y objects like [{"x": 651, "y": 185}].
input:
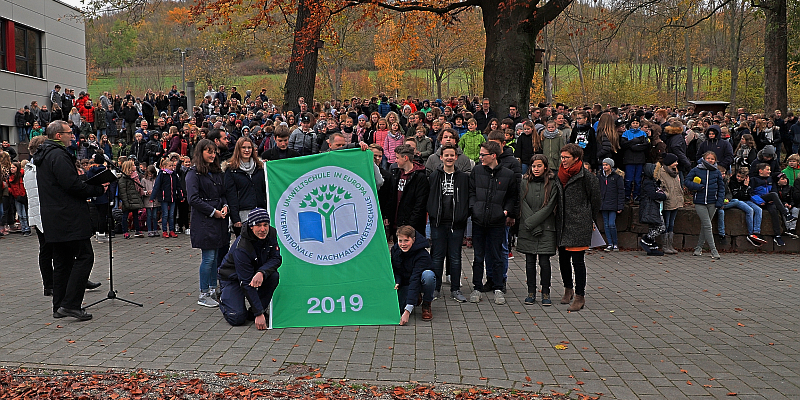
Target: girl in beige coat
[{"x": 667, "y": 172}]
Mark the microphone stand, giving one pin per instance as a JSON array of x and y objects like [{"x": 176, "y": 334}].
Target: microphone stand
[{"x": 112, "y": 294}]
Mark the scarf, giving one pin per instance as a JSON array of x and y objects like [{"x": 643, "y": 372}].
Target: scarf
[
  {"x": 248, "y": 166},
  {"x": 550, "y": 135},
  {"x": 565, "y": 173}
]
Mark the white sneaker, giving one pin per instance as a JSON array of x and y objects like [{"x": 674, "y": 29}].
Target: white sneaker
[
  {"x": 186, "y": 231},
  {"x": 499, "y": 297},
  {"x": 206, "y": 300},
  {"x": 214, "y": 293},
  {"x": 475, "y": 297}
]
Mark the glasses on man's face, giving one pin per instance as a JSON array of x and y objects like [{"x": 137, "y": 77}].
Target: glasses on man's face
[
  {"x": 481, "y": 155},
  {"x": 566, "y": 157}
]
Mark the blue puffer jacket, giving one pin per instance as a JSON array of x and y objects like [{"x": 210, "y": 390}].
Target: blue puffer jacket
[
  {"x": 612, "y": 190},
  {"x": 711, "y": 189},
  {"x": 167, "y": 188}
]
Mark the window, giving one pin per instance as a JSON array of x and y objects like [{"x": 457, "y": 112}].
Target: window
[{"x": 27, "y": 48}]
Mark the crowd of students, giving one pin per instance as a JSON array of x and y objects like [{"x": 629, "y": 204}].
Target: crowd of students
[{"x": 454, "y": 174}]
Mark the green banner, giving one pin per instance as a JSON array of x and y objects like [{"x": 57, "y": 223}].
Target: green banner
[{"x": 336, "y": 266}]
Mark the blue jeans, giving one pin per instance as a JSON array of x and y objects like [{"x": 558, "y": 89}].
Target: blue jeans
[
  {"x": 525, "y": 168},
  {"x": 669, "y": 219},
  {"x": 610, "y": 226},
  {"x": 208, "y": 268},
  {"x": 446, "y": 241},
  {"x": 23, "y": 134},
  {"x": 756, "y": 216},
  {"x": 167, "y": 216},
  {"x": 152, "y": 219},
  {"x": 748, "y": 215},
  {"x": 231, "y": 299},
  {"x": 633, "y": 180},
  {"x": 22, "y": 211},
  {"x": 487, "y": 243},
  {"x": 427, "y": 285}
]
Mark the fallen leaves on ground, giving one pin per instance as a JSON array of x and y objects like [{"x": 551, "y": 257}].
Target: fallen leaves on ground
[{"x": 118, "y": 385}]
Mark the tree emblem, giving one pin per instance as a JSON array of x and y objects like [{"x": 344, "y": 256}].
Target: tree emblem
[{"x": 325, "y": 198}]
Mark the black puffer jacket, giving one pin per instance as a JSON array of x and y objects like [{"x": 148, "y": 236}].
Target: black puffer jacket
[
  {"x": 460, "y": 206},
  {"x": 649, "y": 210},
  {"x": 676, "y": 144},
  {"x": 154, "y": 149},
  {"x": 248, "y": 256},
  {"x": 492, "y": 192},
  {"x": 244, "y": 191}
]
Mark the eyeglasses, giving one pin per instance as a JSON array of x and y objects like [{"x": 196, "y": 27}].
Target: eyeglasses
[
  {"x": 67, "y": 133},
  {"x": 484, "y": 155},
  {"x": 566, "y": 157}
]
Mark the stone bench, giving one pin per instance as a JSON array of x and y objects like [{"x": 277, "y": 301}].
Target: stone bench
[{"x": 687, "y": 229}]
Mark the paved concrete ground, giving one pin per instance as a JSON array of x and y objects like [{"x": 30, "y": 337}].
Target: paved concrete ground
[{"x": 670, "y": 327}]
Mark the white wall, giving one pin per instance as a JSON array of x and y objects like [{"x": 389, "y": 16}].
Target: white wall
[{"x": 63, "y": 55}]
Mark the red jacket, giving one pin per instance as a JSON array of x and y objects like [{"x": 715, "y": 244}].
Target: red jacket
[
  {"x": 15, "y": 187},
  {"x": 86, "y": 113}
]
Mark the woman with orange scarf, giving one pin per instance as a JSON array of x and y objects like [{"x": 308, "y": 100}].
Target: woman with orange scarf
[{"x": 579, "y": 204}]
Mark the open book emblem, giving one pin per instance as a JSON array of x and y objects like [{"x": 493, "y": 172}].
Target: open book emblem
[{"x": 325, "y": 216}]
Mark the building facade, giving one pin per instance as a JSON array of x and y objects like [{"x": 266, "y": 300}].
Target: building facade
[{"x": 42, "y": 44}]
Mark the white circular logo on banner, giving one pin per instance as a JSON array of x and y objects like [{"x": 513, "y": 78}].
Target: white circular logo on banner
[{"x": 327, "y": 216}]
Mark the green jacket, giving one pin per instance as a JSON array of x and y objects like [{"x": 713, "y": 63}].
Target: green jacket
[
  {"x": 470, "y": 144},
  {"x": 537, "y": 225},
  {"x": 551, "y": 148}
]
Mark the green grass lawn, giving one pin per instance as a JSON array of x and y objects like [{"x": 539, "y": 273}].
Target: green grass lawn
[{"x": 563, "y": 74}]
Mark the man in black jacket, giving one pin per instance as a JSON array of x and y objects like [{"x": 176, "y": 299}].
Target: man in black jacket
[
  {"x": 484, "y": 115},
  {"x": 493, "y": 198},
  {"x": 154, "y": 149},
  {"x": 62, "y": 198},
  {"x": 138, "y": 149},
  {"x": 281, "y": 149},
  {"x": 410, "y": 189},
  {"x": 448, "y": 209},
  {"x": 250, "y": 271}
]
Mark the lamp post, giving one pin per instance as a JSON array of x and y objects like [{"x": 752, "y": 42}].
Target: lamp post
[
  {"x": 677, "y": 71},
  {"x": 183, "y": 66}
]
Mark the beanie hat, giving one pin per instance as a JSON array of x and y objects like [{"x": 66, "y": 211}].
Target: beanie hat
[
  {"x": 608, "y": 161},
  {"x": 768, "y": 151},
  {"x": 257, "y": 216},
  {"x": 669, "y": 159}
]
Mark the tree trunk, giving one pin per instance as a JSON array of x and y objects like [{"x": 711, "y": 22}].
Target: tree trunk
[
  {"x": 689, "y": 69},
  {"x": 302, "y": 73},
  {"x": 547, "y": 79},
  {"x": 775, "y": 56},
  {"x": 736, "y": 41},
  {"x": 510, "y": 43}
]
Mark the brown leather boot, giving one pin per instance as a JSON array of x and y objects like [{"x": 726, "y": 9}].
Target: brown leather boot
[
  {"x": 577, "y": 304},
  {"x": 427, "y": 314},
  {"x": 568, "y": 293}
]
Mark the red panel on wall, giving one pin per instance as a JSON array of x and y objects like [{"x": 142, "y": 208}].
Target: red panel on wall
[{"x": 11, "y": 59}]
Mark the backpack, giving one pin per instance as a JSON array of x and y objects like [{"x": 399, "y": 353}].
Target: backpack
[{"x": 120, "y": 221}]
